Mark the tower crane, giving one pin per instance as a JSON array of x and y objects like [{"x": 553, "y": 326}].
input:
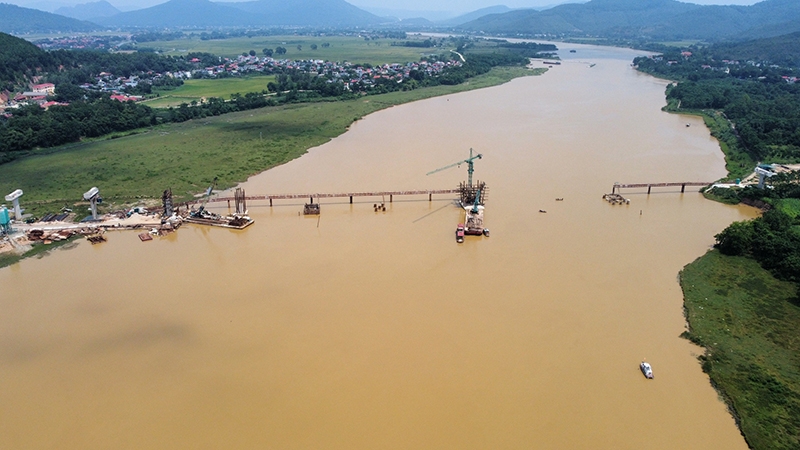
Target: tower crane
[
  {"x": 207, "y": 195},
  {"x": 468, "y": 161}
]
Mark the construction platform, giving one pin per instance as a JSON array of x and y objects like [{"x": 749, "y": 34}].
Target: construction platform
[{"x": 232, "y": 222}]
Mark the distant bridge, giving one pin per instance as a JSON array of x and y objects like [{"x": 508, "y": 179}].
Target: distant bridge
[{"x": 619, "y": 186}]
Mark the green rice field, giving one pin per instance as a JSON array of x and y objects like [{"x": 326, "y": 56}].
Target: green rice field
[
  {"x": 197, "y": 90},
  {"x": 342, "y": 48}
]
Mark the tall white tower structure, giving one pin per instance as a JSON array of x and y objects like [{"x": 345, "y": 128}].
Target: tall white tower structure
[
  {"x": 764, "y": 172},
  {"x": 14, "y": 198},
  {"x": 92, "y": 195}
]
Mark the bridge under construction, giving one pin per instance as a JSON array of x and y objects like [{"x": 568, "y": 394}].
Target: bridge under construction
[{"x": 349, "y": 195}]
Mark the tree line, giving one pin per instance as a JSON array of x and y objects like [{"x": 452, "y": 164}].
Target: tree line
[{"x": 760, "y": 99}]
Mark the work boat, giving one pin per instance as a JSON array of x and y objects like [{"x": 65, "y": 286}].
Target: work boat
[
  {"x": 460, "y": 233},
  {"x": 646, "y": 369}
]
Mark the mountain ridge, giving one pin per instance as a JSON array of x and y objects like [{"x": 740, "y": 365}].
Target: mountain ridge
[
  {"x": 205, "y": 13},
  {"x": 88, "y": 11},
  {"x": 20, "y": 20},
  {"x": 654, "y": 19}
]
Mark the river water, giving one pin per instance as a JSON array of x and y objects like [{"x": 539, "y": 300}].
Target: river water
[{"x": 369, "y": 330}]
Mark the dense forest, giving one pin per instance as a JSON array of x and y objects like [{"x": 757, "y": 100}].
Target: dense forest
[
  {"x": 760, "y": 98},
  {"x": 20, "y": 61}
]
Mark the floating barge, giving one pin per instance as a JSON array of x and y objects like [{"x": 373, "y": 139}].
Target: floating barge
[
  {"x": 473, "y": 221},
  {"x": 233, "y": 222},
  {"x": 472, "y": 198}
]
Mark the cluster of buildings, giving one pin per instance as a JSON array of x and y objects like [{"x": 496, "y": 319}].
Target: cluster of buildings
[
  {"x": 116, "y": 86},
  {"x": 725, "y": 65},
  {"x": 354, "y": 77},
  {"x": 83, "y": 42},
  {"x": 37, "y": 95},
  {"x": 350, "y": 74}
]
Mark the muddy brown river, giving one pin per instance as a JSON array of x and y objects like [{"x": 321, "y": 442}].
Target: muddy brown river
[{"x": 365, "y": 330}]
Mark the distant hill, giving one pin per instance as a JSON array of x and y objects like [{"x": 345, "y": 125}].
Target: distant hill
[
  {"x": 414, "y": 22},
  {"x": 18, "y": 20},
  {"x": 782, "y": 50},
  {"x": 771, "y": 30},
  {"x": 184, "y": 14},
  {"x": 319, "y": 13},
  {"x": 655, "y": 19},
  {"x": 89, "y": 11},
  {"x": 474, "y": 15},
  {"x": 204, "y": 13}
]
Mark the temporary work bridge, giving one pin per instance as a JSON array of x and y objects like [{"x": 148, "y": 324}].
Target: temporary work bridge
[{"x": 350, "y": 195}]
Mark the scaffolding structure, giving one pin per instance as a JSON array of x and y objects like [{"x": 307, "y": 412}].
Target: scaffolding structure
[{"x": 468, "y": 192}]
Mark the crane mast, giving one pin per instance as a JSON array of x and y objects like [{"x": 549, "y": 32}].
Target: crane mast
[{"x": 470, "y": 168}]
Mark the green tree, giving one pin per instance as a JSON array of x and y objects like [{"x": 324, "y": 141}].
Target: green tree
[{"x": 736, "y": 240}]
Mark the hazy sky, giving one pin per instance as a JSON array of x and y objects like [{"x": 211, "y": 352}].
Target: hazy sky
[
  {"x": 455, "y": 6},
  {"x": 472, "y": 5}
]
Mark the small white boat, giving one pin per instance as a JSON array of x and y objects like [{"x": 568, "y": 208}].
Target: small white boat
[{"x": 646, "y": 370}]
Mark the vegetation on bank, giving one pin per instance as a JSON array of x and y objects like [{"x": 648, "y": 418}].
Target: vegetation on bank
[
  {"x": 747, "y": 320},
  {"x": 37, "y": 250},
  {"x": 738, "y": 162}
]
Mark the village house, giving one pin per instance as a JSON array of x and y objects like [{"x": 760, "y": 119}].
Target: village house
[{"x": 44, "y": 89}]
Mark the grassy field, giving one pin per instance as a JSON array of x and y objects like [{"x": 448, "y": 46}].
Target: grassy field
[
  {"x": 196, "y": 90},
  {"x": 187, "y": 156},
  {"x": 748, "y": 321},
  {"x": 342, "y": 48}
]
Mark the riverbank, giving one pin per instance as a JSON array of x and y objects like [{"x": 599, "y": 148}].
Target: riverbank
[
  {"x": 747, "y": 322},
  {"x": 738, "y": 162}
]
